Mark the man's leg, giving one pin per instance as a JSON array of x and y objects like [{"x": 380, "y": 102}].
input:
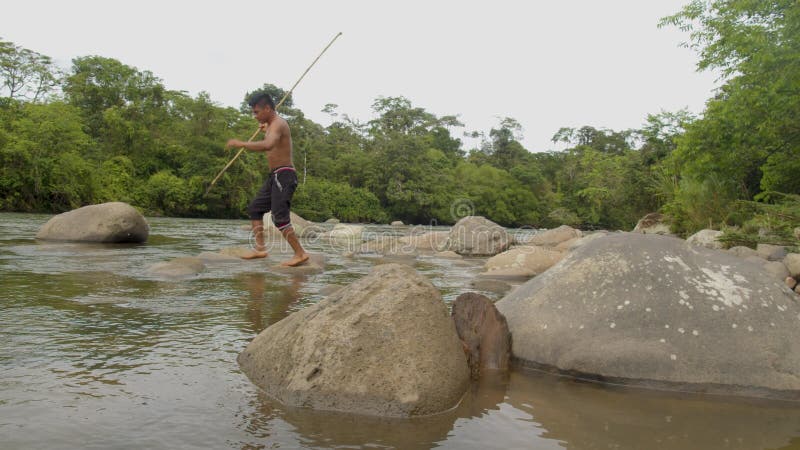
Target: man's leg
[
  {"x": 300, "y": 255},
  {"x": 260, "y": 249},
  {"x": 256, "y": 210}
]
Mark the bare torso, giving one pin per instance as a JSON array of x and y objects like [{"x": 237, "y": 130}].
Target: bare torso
[{"x": 281, "y": 153}]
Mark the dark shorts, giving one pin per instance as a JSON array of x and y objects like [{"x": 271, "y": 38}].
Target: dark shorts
[{"x": 275, "y": 196}]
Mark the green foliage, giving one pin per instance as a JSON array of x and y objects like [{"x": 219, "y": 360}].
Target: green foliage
[
  {"x": 769, "y": 220},
  {"x": 748, "y": 135},
  {"x": 121, "y": 135},
  {"x": 319, "y": 200}
]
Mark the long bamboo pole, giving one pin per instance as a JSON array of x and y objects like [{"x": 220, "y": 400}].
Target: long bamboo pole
[{"x": 285, "y": 96}]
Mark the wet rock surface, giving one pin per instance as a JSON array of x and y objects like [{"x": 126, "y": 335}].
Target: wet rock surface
[
  {"x": 384, "y": 345},
  {"x": 654, "y": 310},
  {"x": 113, "y": 222}
]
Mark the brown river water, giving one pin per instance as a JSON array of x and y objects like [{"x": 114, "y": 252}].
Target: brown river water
[{"x": 95, "y": 353}]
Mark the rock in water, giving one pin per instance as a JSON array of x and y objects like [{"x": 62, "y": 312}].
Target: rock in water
[
  {"x": 178, "y": 268},
  {"x": 484, "y": 332},
  {"x": 478, "y": 236},
  {"x": 114, "y": 222},
  {"x": 551, "y": 238},
  {"x": 384, "y": 345},
  {"x": 522, "y": 262},
  {"x": 648, "y": 309}
]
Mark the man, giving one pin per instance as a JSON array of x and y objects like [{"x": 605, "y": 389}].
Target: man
[{"x": 276, "y": 193}]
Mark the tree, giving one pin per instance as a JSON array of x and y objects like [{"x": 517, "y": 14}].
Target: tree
[{"x": 25, "y": 74}]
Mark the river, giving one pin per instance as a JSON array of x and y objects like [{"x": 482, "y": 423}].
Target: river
[{"x": 96, "y": 353}]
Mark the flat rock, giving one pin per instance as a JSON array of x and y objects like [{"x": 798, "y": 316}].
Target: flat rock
[
  {"x": 184, "y": 267},
  {"x": 522, "y": 262},
  {"x": 113, "y": 222},
  {"x": 551, "y": 238},
  {"x": 315, "y": 264},
  {"x": 652, "y": 310},
  {"x": 384, "y": 345}
]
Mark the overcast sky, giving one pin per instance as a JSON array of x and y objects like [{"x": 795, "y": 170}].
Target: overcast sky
[{"x": 546, "y": 64}]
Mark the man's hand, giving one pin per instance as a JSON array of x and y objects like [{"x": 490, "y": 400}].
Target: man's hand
[{"x": 234, "y": 143}]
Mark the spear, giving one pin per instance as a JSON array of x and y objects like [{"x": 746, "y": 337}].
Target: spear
[{"x": 285, "y": 96}]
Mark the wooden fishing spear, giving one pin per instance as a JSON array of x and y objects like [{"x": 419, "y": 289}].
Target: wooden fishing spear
[{"x": 285, "y": 96}]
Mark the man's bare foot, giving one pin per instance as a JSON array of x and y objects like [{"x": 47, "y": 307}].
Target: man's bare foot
[
  {"x": 296, "y": 260},
  {"x": 255, "y": 254}
]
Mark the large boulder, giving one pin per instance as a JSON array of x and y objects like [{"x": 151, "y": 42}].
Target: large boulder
[
  {"x": 706, "y": 238},
  {"x": 478, "y": 236},
  {"x": 114, "y": 222},
  {"x": 384, "y": 345},
  {"x": 551, "y": 238},
  {"x": 522, "y": 262},
  {"x": 653, "y": 223},
  {"x": 653, "y": 310}
]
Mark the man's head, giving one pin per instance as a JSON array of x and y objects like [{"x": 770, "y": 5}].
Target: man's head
[{"x": 262, "y": 106}]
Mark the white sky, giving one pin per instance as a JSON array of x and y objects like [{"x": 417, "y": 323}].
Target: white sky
[{"x": 547, "y": 64}]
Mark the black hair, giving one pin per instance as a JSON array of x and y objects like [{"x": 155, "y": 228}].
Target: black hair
[{"x": 261, "y": 99}]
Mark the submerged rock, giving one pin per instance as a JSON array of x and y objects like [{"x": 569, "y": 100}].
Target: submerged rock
[
  {"x": 652, "y": 310},
  {"x": 114, "y": 222},
  {"x": 178, "y": 268},
  {"x": 384, "y": 345}
]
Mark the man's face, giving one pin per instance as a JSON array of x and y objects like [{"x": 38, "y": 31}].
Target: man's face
[{"x": 261, "y": 113}]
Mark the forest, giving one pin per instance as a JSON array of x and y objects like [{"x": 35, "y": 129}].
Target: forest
[{"x": 102, "y": 131}]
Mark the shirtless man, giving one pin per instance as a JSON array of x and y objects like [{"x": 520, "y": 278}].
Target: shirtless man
[{"x": 276, "y": 193}]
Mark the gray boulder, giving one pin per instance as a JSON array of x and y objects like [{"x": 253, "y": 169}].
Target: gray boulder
[
  {"x": 707, "y": 239},
  {"x": 384, "y": 345},
  {"x": 397, "y": 223},
  {"x": 478, "y": 236},
  {"x": 652, "y": 310},
  {"x": 114, "y": 222}
]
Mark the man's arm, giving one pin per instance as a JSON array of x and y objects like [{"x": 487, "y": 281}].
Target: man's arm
[{"x": 268, "y": 143}]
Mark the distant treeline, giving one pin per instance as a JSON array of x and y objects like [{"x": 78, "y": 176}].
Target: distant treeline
[{"x": 105, "y": 131}]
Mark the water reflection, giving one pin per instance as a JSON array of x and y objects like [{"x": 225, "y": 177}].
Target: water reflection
[{"x": 262, "y": 311}]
